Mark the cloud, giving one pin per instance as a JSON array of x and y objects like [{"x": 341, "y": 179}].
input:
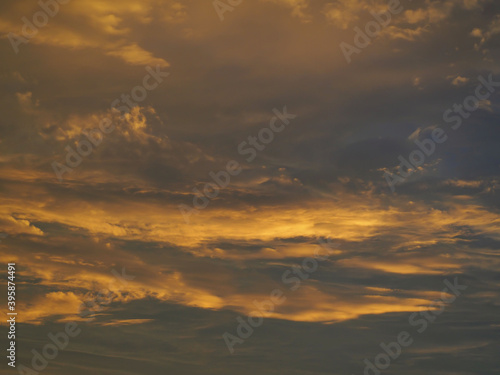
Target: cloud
[
  {"x": 458, "y": 81},
  {"x": 344, "y": 13},
  {"x": 320, "y": 177},
  {"x": 93, "y": 25}
]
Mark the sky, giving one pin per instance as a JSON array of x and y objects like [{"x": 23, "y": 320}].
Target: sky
[{"x": 175, "y": 164}]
